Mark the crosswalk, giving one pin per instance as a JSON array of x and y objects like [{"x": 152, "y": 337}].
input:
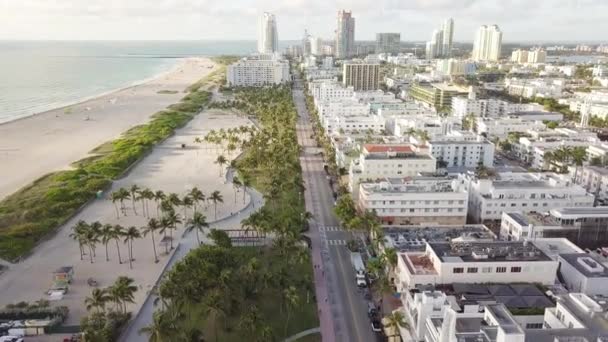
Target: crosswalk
[
  {"x": 336, "y": 242},
  {"x": 330, "y": 229}
]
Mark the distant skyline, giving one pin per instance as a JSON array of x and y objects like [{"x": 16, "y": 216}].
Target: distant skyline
[{"x": 520, "y": 20}]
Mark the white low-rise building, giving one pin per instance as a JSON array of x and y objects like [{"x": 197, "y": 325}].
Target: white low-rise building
[
  {"x": 584, "y": 273},
  {"x": 326, "y": 90},
  {"x": 524, "y": 192},
  {"x": 354, "y": 124},
  {"x": 342, "y": 107},
  {"x": 431, "y": 124},
  {"x": 394, "y": 161},
  {"x": 462, "y": 149},
  {"x": 475, "y": 262},
  {"x": 501, "y": 127},
  {"x": 258, "y": 70},
  {"x": 529, "y": 88},
  {"x": 415, "y": 201},
  {"x": 595, "y": 180},
  {"x": 463, "y": 106}
]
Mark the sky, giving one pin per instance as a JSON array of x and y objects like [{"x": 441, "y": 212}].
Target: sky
[{"x": 520, "y": 20}]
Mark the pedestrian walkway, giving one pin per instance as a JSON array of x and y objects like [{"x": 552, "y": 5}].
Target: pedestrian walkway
[
  {"x": 330, "y": 229},
  {"x": 302, "y": 334},
  {"x": 338, "y": 242}
]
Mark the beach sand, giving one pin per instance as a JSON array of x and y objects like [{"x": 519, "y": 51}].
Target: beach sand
[
  {"x": 169, "y": 168},
  {"x": 50, "y": 141}
]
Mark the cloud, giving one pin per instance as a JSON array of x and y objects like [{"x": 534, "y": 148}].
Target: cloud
[{"x": 234, "y": 19}]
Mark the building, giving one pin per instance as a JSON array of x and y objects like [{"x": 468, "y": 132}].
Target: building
[
  {"x": 414, "y": 201},
  {"x": 488, "y": 44},
  {"x": 268, "y": 37},
  {"x": 529, "y": 88},
  {"x": 437, "y": 95},
  {"x": 455, "y": 67},
  {"x": 475, "y": 262},
  {"x": 537, "y": 56},
  {"x": 361, "y": 76},
  {"x": 494, "y": 108},
  {"x": 258, "y": 71},
  {"x": 316, "y": 46},
  {"x": 393, "y": 161},
  {"x": 345, "y": 35},
  {"x": 306, "y": 44},
  {"x": 462, "y": 149},
  {"x": 595, "y": 180},
  {"x": 587, "y": 227},
  {"x": 501, "y": 127},
  {"x": 524, "y": 192},
  {"x": 584, "y": 273},
  {"x": 388, "y": 42},
  {"x": 519, "y": 56},
  {"x": 441, "y": 41}
]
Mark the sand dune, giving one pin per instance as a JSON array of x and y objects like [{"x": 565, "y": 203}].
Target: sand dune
[{"x": 50, "y": 141}]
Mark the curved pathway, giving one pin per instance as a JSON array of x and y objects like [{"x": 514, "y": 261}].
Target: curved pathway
[{"x": 302, "y": 334}]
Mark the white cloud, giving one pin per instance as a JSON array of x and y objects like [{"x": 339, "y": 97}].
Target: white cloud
[{"x": 234, "y": 19}]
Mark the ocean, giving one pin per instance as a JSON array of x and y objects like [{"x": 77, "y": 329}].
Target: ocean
[{"x": 36, "y": 76}]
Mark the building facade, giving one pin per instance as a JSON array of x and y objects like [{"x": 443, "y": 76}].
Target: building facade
[
  {"x": 258, "y": 71},
  {"x": 268, "y": 37},
  {"x": 345, "y": 35},
  {"x": 361, "y": 76},
  {"x": 462, "y": 149},
  {"x": 388, "y": 42},
  {"x": 488, "y": 43}
]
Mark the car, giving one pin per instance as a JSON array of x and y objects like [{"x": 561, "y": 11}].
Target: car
[
  {"x": 376, "y": 326},
  {"x": 372, "y": 311}
]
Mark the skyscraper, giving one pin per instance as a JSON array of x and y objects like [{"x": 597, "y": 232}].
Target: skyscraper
[
  {"x": 268, "y": 38},
  {"x": 488, "y": 43},
  {"x": 440, "y": 44},
  {"x": 306, "y": 44},
  {"x": 448, "y": 37},
  {"x": 361, "y": 76},
  {"x": 345, "y": 35},
  {"x": 387, "y": 42}
]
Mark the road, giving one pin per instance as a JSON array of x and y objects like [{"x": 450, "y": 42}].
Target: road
[{"x": 342, "y": 308}]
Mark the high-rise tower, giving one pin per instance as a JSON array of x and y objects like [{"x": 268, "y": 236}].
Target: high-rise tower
[
  {"x": 345, "y": 35},
  {"x": 488, "y": 43},
  {"x": 268, "y": 38}
]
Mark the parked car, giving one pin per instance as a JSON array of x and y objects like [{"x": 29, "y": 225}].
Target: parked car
[
  {"x": 376, "y": 326},
  {"x": 372, "y": 310}
]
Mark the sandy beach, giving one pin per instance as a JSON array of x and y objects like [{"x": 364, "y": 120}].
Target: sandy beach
[
  {"x": 50, "y": 141},
  {"x": 169, "y": 168}
]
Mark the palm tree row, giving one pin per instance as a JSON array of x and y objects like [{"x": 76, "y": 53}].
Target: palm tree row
[{"x": 120, "y": 293}]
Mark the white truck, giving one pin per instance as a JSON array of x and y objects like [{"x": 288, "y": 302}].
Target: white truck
[{"x": 357, "y": 261}]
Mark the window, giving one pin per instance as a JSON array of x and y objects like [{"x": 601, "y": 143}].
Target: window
[
  {"x": 472, "y": 270},
  {"x": 486, "y": 270},
  {"x": 501, "y": 269},
  {"x": 534, "y": 326},
  {"x": 513, "y": 204},
  {"x": 515, "y": 269},
  {"x": 458, "y": 270},
  {"x": 411, "y": 210}
]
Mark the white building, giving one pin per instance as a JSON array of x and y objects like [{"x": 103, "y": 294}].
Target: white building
[
  {"x": 524, "y": 192},
  {"x": 537, "y": 55},
  {"x": 430, "y": 123},
  {"x": 529, "y": 88},
  {"x": 415, "y": 201},
  {"x": 584, "y": 273},
  {"x": 462, "y": 149},
  {"x": 441, "y": 41},
  {"x": 455, "y": 67},
  {"x": 325, "y": 90},
  {"x": 502, "y": 126},
  {"x": 475, "y": 262},
  {"x": 354, "y": 124},
  {"x": 268, "y": 37},
  {"x": 463, "y": 106},
  {"x": 519, "y": 56},
  {"x": 257, "y": 71},
  {"x": 488, "y": 43},
  {"x": 393, "y": 161},
  {"x": 595, "y": 180}
]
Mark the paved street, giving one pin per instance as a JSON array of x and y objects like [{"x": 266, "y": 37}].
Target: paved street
[{"x": 343, "y": 314}]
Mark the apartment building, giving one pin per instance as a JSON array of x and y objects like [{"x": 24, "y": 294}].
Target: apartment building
[
  {"x": 471, "y": 105},
  {"x": 523, "y": 192},
  {"x": 437, "y": 95},
  {"x": 529, "y": 88},
  {"x": 381, "y": 161},
  {"x": 415, "y": 201},
  {"x": 325, "y": 90},
  {"x": 342, "y": 107},
  {"x": 462, "y": 149},
  {"x": 257, "y": 71},
  {"x": 584, "y": 273},
  {"x": 361, "y": 76},
  {"x": 353, "y": 124},
  {"x": 455, "y": 67},
  {"x": 585, "y": 226},
  {"x": 474, "y": 262},
  {"x": 501, "y": 127},
  {"x": 595, "y": 180},
  {"x": 431, "y": 124}
]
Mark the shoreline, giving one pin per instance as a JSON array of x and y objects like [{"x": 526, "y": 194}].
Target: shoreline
[{"x": 177, "y": 63}]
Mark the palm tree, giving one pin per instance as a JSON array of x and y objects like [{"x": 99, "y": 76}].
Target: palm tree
[
  {"x": 159, "y": 196},
  {"x": 124, "y": 291},
  {"x": 153, "y": 225},
  {"x": 197, "y": 196},
  {"x": 95, "y": 228},
  {"x": 579, "y": 156},
  {"x": 221, "y": 161},
  {"x": 130, "y": 235},
  {"x": 115, "y": 197},
  {"x": 106, "y": 233},
  {"x": 394, "y": 321},
  {"x": 246, "y": 183},
  {"x": 291, "y": 301},
  {"x": 79, "y": 234},
  {"x": 98, "y": 300},
  {"x": 214, "y": 307},
  {"x": 390, "y": 258},
  {"x": 216, "y": 197},
  {"x": 187, "y": 202},
  {"x": 157, "y": 331},
  {"x": 146, "y": 195},
  {"x": 198, "y": 222},
  {"x": 117, "y": 234},
  {"x": 174, "y": 199},
  {"x": 121, "y": 195},
  {"x": 236, "y": 184},
  {"x": 134, "y": 191},
  {"x": 91, "y": 239},
  {"x": 164, "y": 225},
  {"x": 172, "y": 219}
]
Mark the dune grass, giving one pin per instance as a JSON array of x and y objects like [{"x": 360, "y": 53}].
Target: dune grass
[{"x": 38, "y": 209}]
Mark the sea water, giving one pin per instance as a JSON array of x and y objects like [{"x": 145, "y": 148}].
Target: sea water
[{"x": 36, "y": 76}]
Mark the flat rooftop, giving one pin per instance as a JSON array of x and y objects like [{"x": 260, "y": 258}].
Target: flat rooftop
[
  {"x": 586, "y": 264},
  {"x": 597, "y": 169},
  {"x": 574, "y": 213},
  {"x": 488, "y": 251},
  {"x": 414, "y": 238}
]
